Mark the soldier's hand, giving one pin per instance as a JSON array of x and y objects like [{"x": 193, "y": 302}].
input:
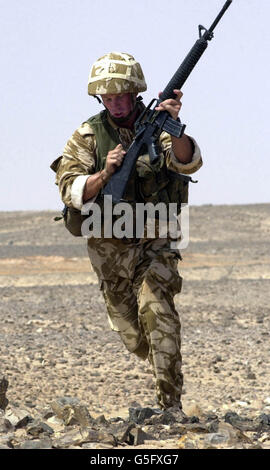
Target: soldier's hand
[
  {"x": 173, "y": 106},
  {"x": 114, "y": 159}
]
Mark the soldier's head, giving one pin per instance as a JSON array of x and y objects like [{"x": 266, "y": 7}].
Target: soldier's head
[
  {"x": 120, "y": 105},
  {"x": 118, "y": 78}
]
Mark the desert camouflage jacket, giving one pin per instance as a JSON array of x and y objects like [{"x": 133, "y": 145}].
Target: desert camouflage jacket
[{"x": 78, "y": 161}]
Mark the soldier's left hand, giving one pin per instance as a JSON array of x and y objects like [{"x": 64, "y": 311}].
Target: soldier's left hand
[{"x": 173, "y": 106}]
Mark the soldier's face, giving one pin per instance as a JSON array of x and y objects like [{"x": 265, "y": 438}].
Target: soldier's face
[{"x": 120, "y": 105}]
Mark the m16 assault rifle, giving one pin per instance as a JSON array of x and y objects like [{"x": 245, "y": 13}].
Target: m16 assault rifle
[{"x": 151, "y": 123}]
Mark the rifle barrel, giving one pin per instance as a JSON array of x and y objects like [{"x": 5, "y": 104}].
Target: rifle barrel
[{"x": 219, "y": 16}]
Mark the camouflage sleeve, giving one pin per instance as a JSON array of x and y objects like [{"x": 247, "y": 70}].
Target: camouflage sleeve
[
  {"x": 173, "y": 163},
  {"x": 76, "y": 164}
]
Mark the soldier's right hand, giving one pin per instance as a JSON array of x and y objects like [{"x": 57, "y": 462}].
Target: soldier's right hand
[{"x": 114, "y": 159}]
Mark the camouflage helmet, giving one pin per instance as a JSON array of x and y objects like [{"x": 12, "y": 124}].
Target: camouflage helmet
[{"x": 116, "y": 72}]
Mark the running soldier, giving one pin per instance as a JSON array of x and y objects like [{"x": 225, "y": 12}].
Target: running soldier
[{"x": 138, "y": 277}]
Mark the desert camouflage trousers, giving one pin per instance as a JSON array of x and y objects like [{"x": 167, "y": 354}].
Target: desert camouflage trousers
[{"x": 139, "y": 282}]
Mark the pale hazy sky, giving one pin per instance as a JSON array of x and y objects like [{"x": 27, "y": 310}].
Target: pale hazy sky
[{"x": 47, "y": 49}]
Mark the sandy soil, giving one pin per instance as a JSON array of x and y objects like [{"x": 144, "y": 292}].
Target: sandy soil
[{"x": 55, "y": 340}]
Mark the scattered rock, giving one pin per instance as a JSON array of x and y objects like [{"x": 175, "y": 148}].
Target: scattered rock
[
  {"x": 71, "y": 411},
  {"x": 6, "y": 441},
  {"x": 47, "y": 413},
  {"x": 138, "y": 436},
  {"x": 77, "y": 437},
  {"x": 3, "y": 390},
  {"x": 263, "y": 423},
  {"x": 5, "y": 424},
  {"x": 70, "y": 438},
  {"x": 264, "y": 419},
  {"x": 122, "y": 431},
  {"x": 194, "y": 427},
  {"x": 226, "y": 437},
  {"x": 243, "y": 424},
  {"x": 191, "y": 441},
  {"x": 56, "y": 424},
  {"x": 212, "y": 423},
  {"x": 17, "y": 417},
  {"x": 265, "y": 437},
  {"x": 101, "y": 420},
  {"x": 71, "y": 426},
  {"x": 37, "y": 427},
  {"x": 251, "y": 375},
  {"x": 139, "y": 415},
  {"x": 36, "y": 444},
  {"x": 170, "y": 416}
]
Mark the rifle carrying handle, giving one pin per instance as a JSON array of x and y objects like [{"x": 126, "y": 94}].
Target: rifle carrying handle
[{"x": 184, "y": 70}]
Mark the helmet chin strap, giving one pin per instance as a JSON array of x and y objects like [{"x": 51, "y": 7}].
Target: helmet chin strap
[{"x": 97, "y": 98}]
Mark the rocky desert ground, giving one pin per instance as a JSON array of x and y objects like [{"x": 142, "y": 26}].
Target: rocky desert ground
[{"x": 66, "y": 381}]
